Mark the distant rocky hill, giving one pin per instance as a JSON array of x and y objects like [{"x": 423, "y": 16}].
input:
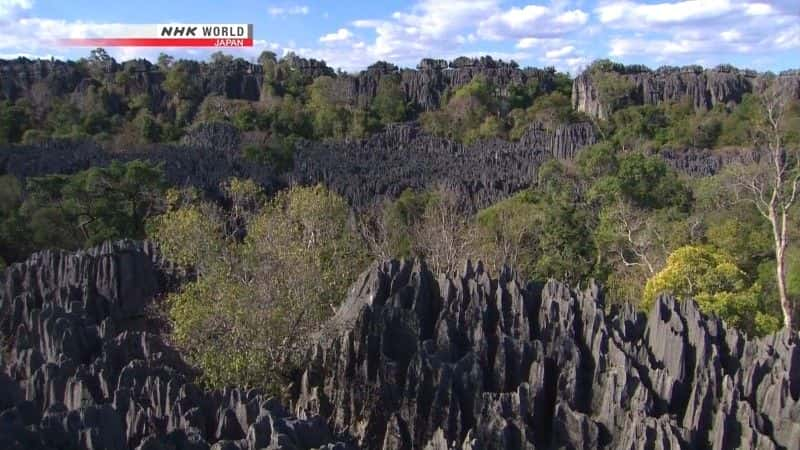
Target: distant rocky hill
[
  {"x": 411, "y": 360},
  {"x": 702, "y": 88},
  {"x": 404, "y": 156},
  {"x": 363, "y": 171},
  {"x": 423, "y": 87}
]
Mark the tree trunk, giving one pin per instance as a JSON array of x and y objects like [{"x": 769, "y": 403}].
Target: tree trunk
[
  {"x": 779, "y": 234},
  {"x": 780, "y": 272}
]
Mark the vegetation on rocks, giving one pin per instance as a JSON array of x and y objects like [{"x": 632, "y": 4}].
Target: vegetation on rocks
[
  {"x": 270, "y": 267},
  {"x": 267, "y": 290},
  {"x": 79, "y": 210}
]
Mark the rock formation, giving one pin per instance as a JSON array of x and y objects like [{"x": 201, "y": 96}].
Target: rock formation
[
  {"x": 706, "y": 162},
  {"x": 364, "y": 171},
  {"x": 87, "y": 367},
  {"x": 702, "y": 88},
  {"x": 411, "y": 361},
  {"x": 424, "y": 87},
  {"x": 204, "y": 162},
  {"x": 404, "y": 156}
]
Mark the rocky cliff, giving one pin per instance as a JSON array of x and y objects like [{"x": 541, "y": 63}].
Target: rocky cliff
[
  {"x": 87, "y": 367},
  {"x": 706, "y": 162},
  {"x": 468, "y": 361},
  {"x": 423, "y": 87},
  {"x": 702, "y": 88},
  {"x": 426, "y": 86},
  {"x": 364, "y": 171},
  {"x": 404, "y": 156},
  {"x": 410, "y": 361}
]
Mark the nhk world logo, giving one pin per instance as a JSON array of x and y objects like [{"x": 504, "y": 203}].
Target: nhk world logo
[{"x": 165, "y": 35}]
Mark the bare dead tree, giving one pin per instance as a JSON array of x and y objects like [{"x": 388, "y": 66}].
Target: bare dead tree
[
  {"x": 772, "y": 185},
  {"x": 371, "y": 225},
  {"x": 636, "y": 246},
  {"x": 442, "y": 235}
]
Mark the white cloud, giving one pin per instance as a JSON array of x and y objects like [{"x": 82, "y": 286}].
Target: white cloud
[
  {"x": 296, "y": 10},
  {"x": 342, "y": 34},
  {"x": 532, "y": 21},
  {"x": 10, "y": 8},
  {"x": 730, "y": 35},
  {"x": 691, "y": 30},
  {"x": 530, "y": 42},
  {"x": 430, "y": 28},
  {"x": 630, "y": 14},
  {"x": 789, "y": 38},
  {"x": 758, "y": 9},
  {"x": 560, "y": 52},
  {"x": 38, "y": 38}
]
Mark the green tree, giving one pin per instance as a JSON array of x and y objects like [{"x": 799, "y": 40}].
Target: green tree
[
  {"x": 147, "y": 128},
  {"x": 302, "y": 234},
  {"x": 290, "y": 118},
  {"x": 331, "y": 117},
  {"x": 466, "y": 110},
  {"x": 95, "y": 205},
  {"x": 712, "y": 279},
  {"x": 773, "y": 185},
  {"x": 614, "y": 90},
  {"x": 181, "y": 81},
  {"x": 14, "y": 232},
  {"x": 190, "y": 235},
  {"x": 645, "y": 181},
  {"x": 507, "y": 232},
  {"x": 277, "y": 152},
  {"x": 165, "y": 61},
  {"x": 13, "y": 122},
  {"x": 389, "y": 102}
]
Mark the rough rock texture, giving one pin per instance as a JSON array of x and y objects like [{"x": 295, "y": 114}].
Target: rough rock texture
[
  {"x": 705, "y": 162},
  {"x": 404, "y": 156},
  {"x": 202, "y": 164},
  {"x": 466, "y": 361},
  {"x": 88, "y": 369},
  {"x": 702, "y": 88},
  {"x": 364, "y": 171},
  {"x": 237, "y": 79},
  {"x": 424, "y": 87}
]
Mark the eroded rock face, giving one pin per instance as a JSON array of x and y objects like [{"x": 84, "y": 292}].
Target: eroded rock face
[
  {"x": 423, "y": 87},
  {"x": 701, "y": 88},
  {"x": 412, "y": 361},
  {"x": 404, "y": 156},
  {"x": 88, "y": 369},
  {"x": 364, "y": 171}
]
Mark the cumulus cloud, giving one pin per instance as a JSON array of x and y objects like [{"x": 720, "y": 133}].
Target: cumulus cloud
[
  {"x": 342, "y": 34},
  {"x": 11, "y": 8},
  {"x": 690, "y": 30},
  {"x": 34, "y": 37},
  {"x": 295, "y": 10},
  {"x": 567, "y": 34},
  {"x": 559, "y": 52},
  {"x": 432, "y": 28},
  {"x": 532, "y": 21},
  {"x": 630, "y": 14}
]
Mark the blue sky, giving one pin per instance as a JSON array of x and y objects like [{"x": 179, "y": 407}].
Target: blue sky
[{"x": 568, "y": 34}]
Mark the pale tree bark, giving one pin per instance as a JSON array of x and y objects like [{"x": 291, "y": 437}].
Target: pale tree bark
[
  {"x": 774, "y": 188},
  {"x": 442, "y": 233}
]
